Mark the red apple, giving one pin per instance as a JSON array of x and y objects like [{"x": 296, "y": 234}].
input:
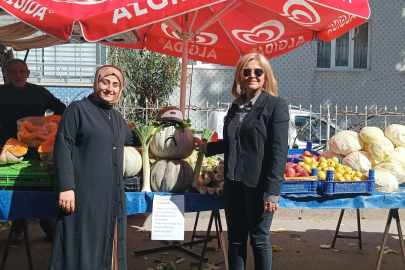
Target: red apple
[
  {"x": 297, "y": 174},
  {"x": 290, "y": 174},
  {"x": 304, "y": 173},
  {"x": 297, "y": 168},
  {"x": 307, "y": 153},
  {"x": 289, "y": 165},
  {"x": 287, "y": 170}
]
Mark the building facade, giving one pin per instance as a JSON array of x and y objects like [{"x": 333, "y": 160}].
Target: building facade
[{"x": 365, "y": 67}]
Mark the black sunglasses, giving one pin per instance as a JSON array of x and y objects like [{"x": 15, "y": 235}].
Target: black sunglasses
[{"x": 258, "y": 72}]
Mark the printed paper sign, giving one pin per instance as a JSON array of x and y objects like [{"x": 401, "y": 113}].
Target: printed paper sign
[{"x": 168, "y": 217}]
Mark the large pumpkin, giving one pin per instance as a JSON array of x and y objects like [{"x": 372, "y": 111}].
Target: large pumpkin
[
  {"x": 171, "y": 175},
  {"x": 13, "y": 151},
  {"x": 132, "y": 162},
  {"x": 172, "y": 143}
]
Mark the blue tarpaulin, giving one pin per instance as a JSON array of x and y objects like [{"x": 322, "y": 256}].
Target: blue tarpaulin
[{"x": 44, "y": 204}]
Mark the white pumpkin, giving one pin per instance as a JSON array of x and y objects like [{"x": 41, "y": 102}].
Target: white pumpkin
[
  {"x": 132, "y": 162},
  {"x": 172, "y": 143},
  {"x": 171, "y": 175}
]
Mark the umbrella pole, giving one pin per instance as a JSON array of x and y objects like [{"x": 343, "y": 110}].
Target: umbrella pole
[{"x": 183, "y": 86}]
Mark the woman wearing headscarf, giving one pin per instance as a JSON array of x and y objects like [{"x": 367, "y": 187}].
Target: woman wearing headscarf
[
  {"x": 255, "y": 147},
  {"x": 90, "y": 231}
]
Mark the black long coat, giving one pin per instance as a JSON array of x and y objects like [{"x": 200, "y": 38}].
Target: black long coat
[{"x": 89, "y": 160}]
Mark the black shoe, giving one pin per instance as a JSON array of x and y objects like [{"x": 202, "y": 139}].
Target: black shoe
[
  {"x": 49, "y": 236},
  {"x": 18, "y": 238}
]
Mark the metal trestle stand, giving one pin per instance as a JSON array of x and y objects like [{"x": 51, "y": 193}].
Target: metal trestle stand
[
  {"x": 392, "y": 214},
  {"x": 337, "y": 235},
  {"x": 9, "y": 241}
]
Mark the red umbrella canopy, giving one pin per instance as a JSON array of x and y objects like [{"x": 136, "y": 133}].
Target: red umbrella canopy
[
  {"x": 221, "y": 32},
  {"x": 97, "y": 18}
]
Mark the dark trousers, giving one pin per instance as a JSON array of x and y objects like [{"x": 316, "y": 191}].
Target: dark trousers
[
  {"x": 245, "y": 215},
  {"x": 47, "y": 225}
]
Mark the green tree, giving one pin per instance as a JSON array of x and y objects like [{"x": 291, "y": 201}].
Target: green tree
[{"x": 149, "y": 77}]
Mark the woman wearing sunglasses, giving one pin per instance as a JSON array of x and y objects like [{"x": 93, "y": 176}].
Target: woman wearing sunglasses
[{"x": 255, "y": 150}]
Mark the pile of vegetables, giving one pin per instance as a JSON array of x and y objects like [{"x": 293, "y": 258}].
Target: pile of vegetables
[
  {"x": 210, "y": 178},
  {"x": 384, "y": 151}
]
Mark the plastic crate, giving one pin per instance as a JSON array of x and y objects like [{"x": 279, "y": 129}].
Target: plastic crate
[
  {"x": 26, "y": 173},
  {"x": 132, "y": 184},
  {"x": 330, "y": 187},
  {"x": 292, "y": 152},
  {"x": 300, "y": 185}
]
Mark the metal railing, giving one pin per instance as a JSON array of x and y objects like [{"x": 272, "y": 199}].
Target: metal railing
[{"x": 325, "y": 120}]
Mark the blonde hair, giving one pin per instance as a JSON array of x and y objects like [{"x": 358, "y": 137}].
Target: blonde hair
[{"x": 270, "y": 83}]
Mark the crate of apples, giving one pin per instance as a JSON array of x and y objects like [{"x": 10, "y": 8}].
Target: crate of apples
[{"x": 340, "y": 172}]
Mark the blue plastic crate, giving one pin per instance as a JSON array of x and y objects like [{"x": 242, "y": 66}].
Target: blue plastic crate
[
  {"x": 292, "y": 152},
  {"x": 330, "y": 187},
  {"x": 301, "y": 185}
]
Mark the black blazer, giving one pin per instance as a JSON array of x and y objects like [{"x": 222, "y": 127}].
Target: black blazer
[{"x": 263, "y": 143}]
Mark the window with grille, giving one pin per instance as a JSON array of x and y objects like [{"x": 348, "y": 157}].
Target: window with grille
[
  {"x": 350, "y": 51},
  {"x": 67, "y": 63}
]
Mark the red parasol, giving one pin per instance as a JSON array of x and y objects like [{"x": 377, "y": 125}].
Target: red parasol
[
  {"x": 215, "y": 31},
  {"x": 222, "y": 32}
]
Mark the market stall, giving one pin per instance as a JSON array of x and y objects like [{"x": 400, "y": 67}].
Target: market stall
[{"x": 42, "y": 204}]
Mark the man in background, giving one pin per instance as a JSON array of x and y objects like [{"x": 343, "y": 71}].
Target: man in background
[{"x": 21, "y": 99}]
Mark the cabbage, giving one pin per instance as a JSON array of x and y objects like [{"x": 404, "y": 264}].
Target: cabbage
[
  {"x": 396, "y": 158},
  {"x": 371, "y": 134},
  {"x": 400, "y": 150},
  {"x": 365, "y": 147},
  {"x": 385, "y": 181},
  {"x": 358, "y": 161},
  {"x": 394, "y": 169},
  {"x": 380, "y": 149},
  {"x": 329, "y": 154},
  {"x": 396, "y": 133},
  {"x": 345, "y": 142}
]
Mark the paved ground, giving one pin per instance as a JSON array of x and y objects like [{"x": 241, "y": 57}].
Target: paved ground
[{"x": 300, "y": 240}]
